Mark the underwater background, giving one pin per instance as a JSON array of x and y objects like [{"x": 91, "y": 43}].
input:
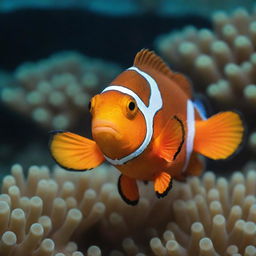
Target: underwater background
[{"x": 54, "y": 56}]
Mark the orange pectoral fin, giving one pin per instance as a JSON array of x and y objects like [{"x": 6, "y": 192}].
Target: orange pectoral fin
[
  {"x": 128, "y": 190},
  {"x": 75, "y": 152},
  {"x": 162, "y": 184},
  {"x": 219, "y": 136},
  {"x": 171, "y": 139}
]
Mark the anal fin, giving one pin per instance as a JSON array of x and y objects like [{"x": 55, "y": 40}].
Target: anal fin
[{"x": 195, "y": 166}]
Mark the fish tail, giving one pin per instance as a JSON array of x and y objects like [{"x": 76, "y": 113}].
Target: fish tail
[{"x": 219, "y": 136}]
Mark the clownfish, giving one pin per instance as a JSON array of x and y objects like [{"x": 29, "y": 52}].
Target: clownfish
[{"x": 146, "y": 124}]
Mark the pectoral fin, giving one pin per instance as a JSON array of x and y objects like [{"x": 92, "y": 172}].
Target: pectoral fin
[
  {"x": 170, "y": 141},
  {"x": 75, "y": 152},
  {"x": 162, "y": 184},
  {"x": 128, "y": 190},
  {"x": 219, "y": 136}
]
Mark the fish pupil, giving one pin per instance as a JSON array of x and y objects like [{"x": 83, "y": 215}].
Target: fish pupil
[{"x": 131, "y": 106}]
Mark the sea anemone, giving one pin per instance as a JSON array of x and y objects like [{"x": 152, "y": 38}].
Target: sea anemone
[
  {"x": 75, "y": 213},
  {"x": 54, "y": 91},
  {"x": 220, "y": 62}
]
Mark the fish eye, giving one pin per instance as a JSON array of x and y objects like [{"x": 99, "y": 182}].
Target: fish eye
[
  {"x": 132, "y": 105},
  {"x": 131, "y": 108}
]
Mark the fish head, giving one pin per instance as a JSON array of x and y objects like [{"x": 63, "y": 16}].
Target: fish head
[{"x": 118, "y": 125}]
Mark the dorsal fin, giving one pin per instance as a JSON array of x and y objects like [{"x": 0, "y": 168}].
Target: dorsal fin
[{"x": 146, "y": 58}]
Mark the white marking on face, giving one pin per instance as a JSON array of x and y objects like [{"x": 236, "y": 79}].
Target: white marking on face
[
  {"x": 155, "y": 103},
  {"x": 190, "y": 132}
]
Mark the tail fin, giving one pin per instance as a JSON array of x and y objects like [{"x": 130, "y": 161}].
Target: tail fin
[{"x": 219, "y": 136}]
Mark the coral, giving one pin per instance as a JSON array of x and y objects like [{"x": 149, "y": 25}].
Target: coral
[
  {"x": 62, "y": 212},
  {"x": 55, "y": 92},
  {"x": 221, "y": 61},
  {"x": 220, "y": 220}
]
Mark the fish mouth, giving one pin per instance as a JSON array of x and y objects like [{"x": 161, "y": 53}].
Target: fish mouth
[{"x": 105, "y": 127}]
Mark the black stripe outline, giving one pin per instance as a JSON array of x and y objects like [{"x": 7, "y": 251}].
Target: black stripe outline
[
  {"x": 160, "y": 195},
  {"x": 182, "y": 139},
  {"x": 130, "y": 202}
]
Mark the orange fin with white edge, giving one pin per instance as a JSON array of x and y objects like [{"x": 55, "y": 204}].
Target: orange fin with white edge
[
  {"x": 171, "y": 139},
  {"x": 146, "y": 58},
  {"x": 128, "y": 189},
  {"x": 74, "y": 152},
  {"x": 196, "y": 165},
  {"x": 219, "y": 136},
  {"x": 162, "y": 184}
]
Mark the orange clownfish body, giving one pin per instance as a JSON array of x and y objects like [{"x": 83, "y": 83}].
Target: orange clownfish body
[{"x": 146, "y": 125}]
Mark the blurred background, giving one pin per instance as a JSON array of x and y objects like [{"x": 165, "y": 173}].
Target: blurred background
[{"x": 55, "y": 55}]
